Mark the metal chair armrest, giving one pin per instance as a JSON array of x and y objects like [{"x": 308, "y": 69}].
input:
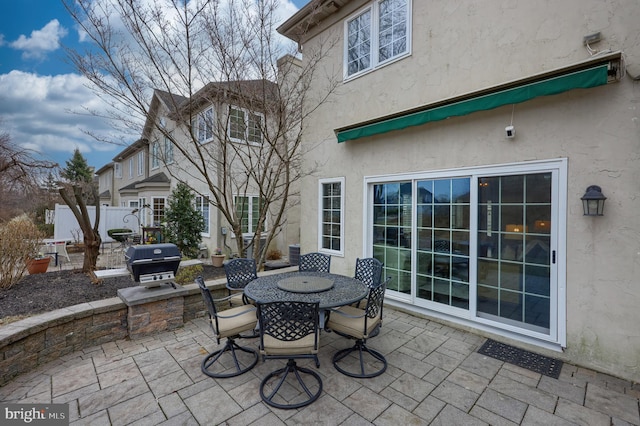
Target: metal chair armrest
[
  {"x": 250, "y": 308},
  {"x": 338, "y": 311}
]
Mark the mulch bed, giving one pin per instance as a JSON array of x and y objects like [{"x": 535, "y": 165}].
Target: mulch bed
[{"x": 35, "y": 294}]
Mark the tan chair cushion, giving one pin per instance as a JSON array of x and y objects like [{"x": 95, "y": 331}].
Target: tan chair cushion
[
  {"x": 236, "y": 325},
  {"x": 352, "y": 326},
  {"x": 304, "y": 346},
  {"x": 236, "y": 300}
]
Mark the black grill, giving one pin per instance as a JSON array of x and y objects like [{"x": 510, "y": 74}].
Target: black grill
[{"x": 153, "y": 264}]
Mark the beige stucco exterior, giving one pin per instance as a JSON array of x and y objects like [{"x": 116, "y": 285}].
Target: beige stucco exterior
[
  {"x": 464, "y": 46},
  {"x": 134, "y": 187}
]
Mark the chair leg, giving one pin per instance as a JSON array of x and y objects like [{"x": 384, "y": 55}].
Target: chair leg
[
  {"x": 291, "y": 367},
  {"x": 231, "y": 347},
  {"x": 361, "y": 347}
]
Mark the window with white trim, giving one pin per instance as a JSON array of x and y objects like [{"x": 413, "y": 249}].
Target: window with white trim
[
  {"x": 143, "y": 212},
  {"x": 141, "y": 163},
  {"x": 159, "y": 204},
  {"x": 117, "y": 170},
  {"x": 155, "y": 155},
  {"x": 203, "y": 126},
  {"x": 245, "y": 126},
  {"x": 168, "y": 151},
  {"x": 202, "y": 205},
  {"x": 131, "y": 167},
  {"x": 376, "y": 35},
  {"x": 248, "y": 210},
  {"x": 331, "y": 219}
]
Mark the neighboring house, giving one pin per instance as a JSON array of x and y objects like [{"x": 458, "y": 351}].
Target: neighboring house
[
  {"x": 215, "y": 110},
  {"x": 457, "y": 152}
]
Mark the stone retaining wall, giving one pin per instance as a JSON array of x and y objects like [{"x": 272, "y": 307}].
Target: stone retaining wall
[{"x": 36, "y": 340}]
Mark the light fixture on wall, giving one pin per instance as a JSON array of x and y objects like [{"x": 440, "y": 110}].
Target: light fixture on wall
[{"x": 593, "y": 201}]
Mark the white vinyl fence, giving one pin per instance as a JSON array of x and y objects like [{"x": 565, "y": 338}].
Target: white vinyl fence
[{"x": 66, "y": 225}]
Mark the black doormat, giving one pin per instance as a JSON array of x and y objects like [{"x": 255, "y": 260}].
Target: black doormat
[{"x": 531, "y": 361}]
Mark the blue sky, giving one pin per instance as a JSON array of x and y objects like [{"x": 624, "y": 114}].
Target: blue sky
[{"x": 41, "y": 94}]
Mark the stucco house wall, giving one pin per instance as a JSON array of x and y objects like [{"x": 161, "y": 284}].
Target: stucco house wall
[{"x": 460, "y": 47}]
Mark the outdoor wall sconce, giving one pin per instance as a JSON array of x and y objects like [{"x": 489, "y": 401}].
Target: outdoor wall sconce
[{"x": 593, "y": 201}]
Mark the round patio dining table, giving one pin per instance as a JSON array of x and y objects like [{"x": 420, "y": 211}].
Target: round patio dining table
[{"x": 331, "y": 290}]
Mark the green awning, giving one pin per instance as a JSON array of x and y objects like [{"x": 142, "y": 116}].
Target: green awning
[{"x": 590, "y": 77}]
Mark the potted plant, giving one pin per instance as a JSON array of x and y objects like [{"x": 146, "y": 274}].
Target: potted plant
[
  {"x": 38, "y": 264},
  {"x": 217, "y": 257}
]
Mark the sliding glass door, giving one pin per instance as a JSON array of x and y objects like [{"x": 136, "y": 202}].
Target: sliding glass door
[
  {"x": 478, "y": 244},
  {"x": 514, "y": 249}
]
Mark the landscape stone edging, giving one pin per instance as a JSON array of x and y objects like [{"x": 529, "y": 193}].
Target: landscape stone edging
[{"x": 36, "y": 340}]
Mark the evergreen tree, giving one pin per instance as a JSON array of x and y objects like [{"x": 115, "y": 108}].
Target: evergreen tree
[
  {"x": 184, "y": 222},
  {"x": 77, "y": 169}
]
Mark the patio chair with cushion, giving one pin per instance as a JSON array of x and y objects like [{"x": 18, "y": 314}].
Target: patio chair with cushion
[
  {"x": 360, "y": 324},
  {"x": 314, "y": 262},
  {"x": 240, "y": 272},
  {"x": 289, "y": 330},
  {"x": 232, "y": 360}
]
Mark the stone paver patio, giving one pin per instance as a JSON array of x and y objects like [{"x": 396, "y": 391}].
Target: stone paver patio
[{"x": 435, "y": 376}]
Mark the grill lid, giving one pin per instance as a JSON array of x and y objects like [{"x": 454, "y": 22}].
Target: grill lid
[{"x": 152, "y": 259}]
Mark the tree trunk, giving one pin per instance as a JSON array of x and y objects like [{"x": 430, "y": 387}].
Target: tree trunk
[{"x": 91, "y": 236}]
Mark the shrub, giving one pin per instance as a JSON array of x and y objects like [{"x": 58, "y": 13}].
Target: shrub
[
  {"x": 184, "y": 223},
  {"x": 20, "y": 239},
  {"x": 188, "y": 274},
  {"x": 274, "y": 254}
]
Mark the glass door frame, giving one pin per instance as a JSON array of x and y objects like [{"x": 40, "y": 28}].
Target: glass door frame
[{"x": 558, "y": 169}]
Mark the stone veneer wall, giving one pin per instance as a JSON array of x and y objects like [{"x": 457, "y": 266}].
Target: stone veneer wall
[{"x": 37, "y": 340}]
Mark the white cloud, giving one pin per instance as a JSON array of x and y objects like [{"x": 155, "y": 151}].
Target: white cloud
[
  {"x": 45, "y": 114},
  {"x": 41, "y": 41}
]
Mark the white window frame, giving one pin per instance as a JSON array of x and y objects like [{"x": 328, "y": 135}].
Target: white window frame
[
  {"x": 203, "y": 125},
  {"x": 168, "y": 151},
  {"x": 143, "y": 212},
  {"x": 247, "y": 116},
  {"x": 252, "y": 198},
  {"x": 131, "y": 166},
  {"x": 117, "y": 170},
  {"x": 155, "y": 155},
  {"x": 374, "y": 9},
  {"x": 140, "y": 163},
  {"x": 153, "y": 209},
  {"x": 200, "y": 202},
  {"x": 557, "y": 333},
  {"x": 321, "y": 183}
]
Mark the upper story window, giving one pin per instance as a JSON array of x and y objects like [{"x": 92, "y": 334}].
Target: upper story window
[
  {"x": 245, "y": 126},
  {"x": 168, "y": 151},
  {"x": 141, "y": 163},
  {"x": 155, "y": 155},
  {"x": 203, "y": 126},
  {"x": 130, "y": 167},
  {"x": 377, "y": 34},
  {"x": 117, "y": 170}
]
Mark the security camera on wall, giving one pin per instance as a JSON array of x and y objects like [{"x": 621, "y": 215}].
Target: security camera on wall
[{"x": 510, "y": 132}]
